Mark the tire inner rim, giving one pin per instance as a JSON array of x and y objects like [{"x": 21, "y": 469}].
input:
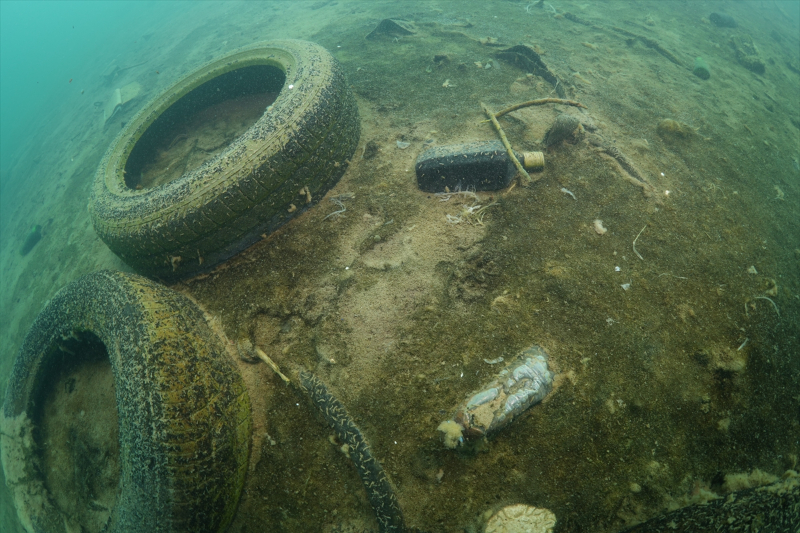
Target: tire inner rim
[
  {"x": 202, "y": 124},
  {"x": 77, "y": 431}
]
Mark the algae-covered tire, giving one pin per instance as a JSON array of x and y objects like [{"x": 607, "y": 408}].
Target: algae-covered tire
[
  {"x": 293, "y": 153},
  {"x": 182, "y": 411}
]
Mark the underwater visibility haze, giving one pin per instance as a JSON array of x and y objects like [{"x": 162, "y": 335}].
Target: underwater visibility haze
[{"x": 319, "y": 278}]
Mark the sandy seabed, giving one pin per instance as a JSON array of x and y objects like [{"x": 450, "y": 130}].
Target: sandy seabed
[{"x": 677, "y": 359}]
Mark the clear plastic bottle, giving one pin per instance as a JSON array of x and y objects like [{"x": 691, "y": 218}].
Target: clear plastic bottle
[{"x": 524, "y": 382}]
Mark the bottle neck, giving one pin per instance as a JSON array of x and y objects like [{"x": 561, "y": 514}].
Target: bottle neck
[{"x": 531, "y": 160}]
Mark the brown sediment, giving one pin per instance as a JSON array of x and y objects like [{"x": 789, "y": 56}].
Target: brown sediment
[
  {"x": 403, "y": 301},
  {"x": 630, "y": 172},
  {"x": 650, "y": 43}
]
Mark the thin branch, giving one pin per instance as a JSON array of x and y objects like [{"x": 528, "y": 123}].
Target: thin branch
[
  {"x": 634, "y": 244},
  {"x": 503, "y": 138}
]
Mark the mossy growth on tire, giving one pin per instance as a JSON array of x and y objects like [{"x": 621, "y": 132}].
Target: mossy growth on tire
[
  {"x": 227, "y": 154},
  {"x": 124, "y": 414}
]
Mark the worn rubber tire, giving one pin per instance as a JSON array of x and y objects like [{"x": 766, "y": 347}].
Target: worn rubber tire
[
  {"x": 305, "y": 139},
  {"x": 183, "y": 410}
]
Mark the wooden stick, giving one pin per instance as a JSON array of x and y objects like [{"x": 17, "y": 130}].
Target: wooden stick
[
  {"x": 541, "y": 101},
  {"x": 264, "y": 357},
  {"x": 503, "y": 138},
  {"x": 634, "y": 244}
]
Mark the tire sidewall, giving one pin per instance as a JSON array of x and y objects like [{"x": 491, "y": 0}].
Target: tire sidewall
[
  {"x": 130, "y": 315},
  {"x": 216, "y": 210}
]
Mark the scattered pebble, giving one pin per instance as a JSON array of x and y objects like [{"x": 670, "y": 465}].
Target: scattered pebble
[
  {"x": 402, "y": 145},
  {"x": 599, "y": 228}
]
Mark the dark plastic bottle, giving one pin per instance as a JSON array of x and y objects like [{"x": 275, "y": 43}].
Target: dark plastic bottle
[{"x": 478, "y": 166}]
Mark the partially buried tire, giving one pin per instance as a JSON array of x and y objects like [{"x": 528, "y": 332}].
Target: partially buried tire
[
  {"x": 123, "y": 414},
  {"x": 229, "y": 153}
]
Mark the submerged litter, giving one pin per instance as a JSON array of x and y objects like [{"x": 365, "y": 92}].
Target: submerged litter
[{"x": 524, "y": 382}]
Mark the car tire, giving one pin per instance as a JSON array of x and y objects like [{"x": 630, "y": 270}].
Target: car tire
[
  {"x": 184, "y": 421},
  {"x": 284, "y": 163}
]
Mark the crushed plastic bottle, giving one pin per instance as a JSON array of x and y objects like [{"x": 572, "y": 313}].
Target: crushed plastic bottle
[{"x": 522, "y": 383}]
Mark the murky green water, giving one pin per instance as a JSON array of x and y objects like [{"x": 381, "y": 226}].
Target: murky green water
[{"x": 676, "y": 358}]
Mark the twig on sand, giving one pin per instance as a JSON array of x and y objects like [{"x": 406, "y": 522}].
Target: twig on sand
[
  {"x": 540, "y": 101},
  {"x": 338, "y": 201},
  {"x": 494, "y": 116},
  {"x": 739, "y": 349},
  {"x": 264, "y": 357},
  {"x": 770, "y": 301},
  {"x": 634, "y": 244},
  {"x": 503, "y": 138}
]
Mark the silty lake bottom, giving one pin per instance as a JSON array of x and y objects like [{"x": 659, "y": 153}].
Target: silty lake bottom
[{"x": 672, "y": 324}]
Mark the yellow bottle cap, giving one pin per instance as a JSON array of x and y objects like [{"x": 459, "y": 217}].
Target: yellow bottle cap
[{"x": 533, "y": 160}]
